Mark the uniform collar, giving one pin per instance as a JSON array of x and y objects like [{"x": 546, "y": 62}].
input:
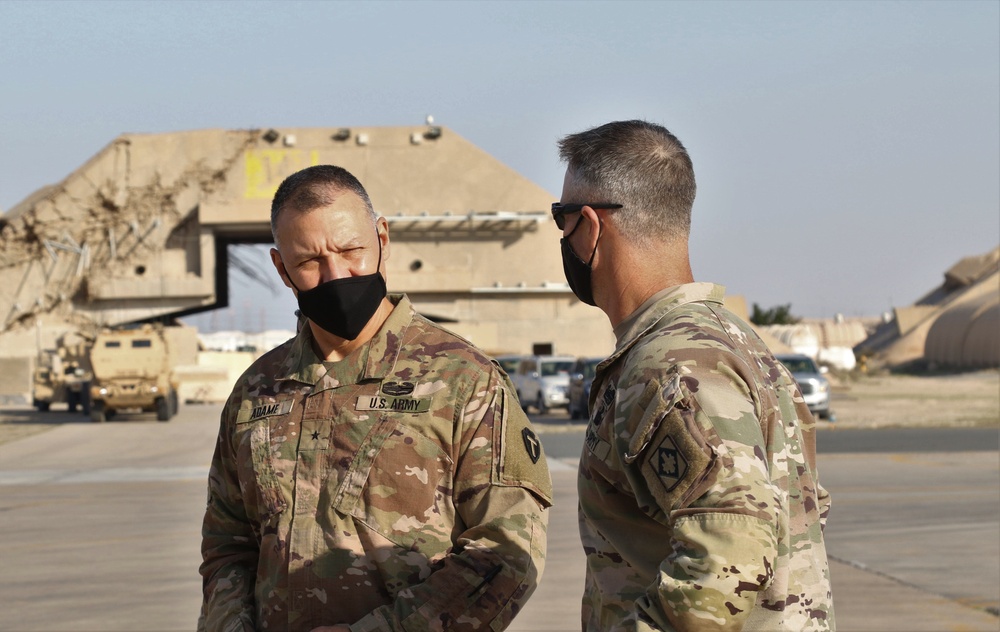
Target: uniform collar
[
  {"x": 656, "y": 307},
  {"x": 371, "y": 361}
]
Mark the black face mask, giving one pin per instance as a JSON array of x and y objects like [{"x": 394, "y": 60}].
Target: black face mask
[
  {"x": 577, "y": 270},
  {"x": 343, "y": 307}
]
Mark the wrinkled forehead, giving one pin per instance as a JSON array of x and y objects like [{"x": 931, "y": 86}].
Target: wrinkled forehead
[
  {"x": 343, "y": 211},
  {"x": 322, "y": 195}
]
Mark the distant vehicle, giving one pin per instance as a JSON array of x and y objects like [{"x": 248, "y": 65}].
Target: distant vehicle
[
  {"x": 811, "y": 380},
  {"x": 132, "y": 370},
  {"x": 509, "y": 363},
  {"x": 581, "y": 376},
  {"x": 543, "y": 381},
  {"x": 61, "y": 376},
  {"x": 51, "y": 386}
]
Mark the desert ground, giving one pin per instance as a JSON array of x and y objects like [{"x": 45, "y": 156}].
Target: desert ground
[{"x": 876, "y": 401}]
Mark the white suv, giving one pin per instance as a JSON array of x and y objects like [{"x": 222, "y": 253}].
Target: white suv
[
  {"x": 812, "y": 382},
  {"x": 543, "y": 381}
]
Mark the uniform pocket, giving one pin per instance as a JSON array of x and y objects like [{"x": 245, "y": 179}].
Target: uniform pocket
[
  {"x": 400, "y": 485},
  {"x": 256, "y": 466}
]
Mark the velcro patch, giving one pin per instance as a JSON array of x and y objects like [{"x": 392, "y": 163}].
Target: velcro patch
[
  {"x": 656, "y": 401},
  {"x": 598, "y": 446},
  {"x": 252, "y": 411},
  {"x": 673, "y": 461},
  {"x": 668, "y": 463},
  {"x": 532, "y": 444},
  {"x": 662, "y": 447},
  {"x": 394, "y": 404},
  {"x": 521, "y": 452},
  {"x": 605, "y": 402}
]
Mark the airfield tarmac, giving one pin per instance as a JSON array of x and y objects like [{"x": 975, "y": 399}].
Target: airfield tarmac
[{"x": 101, "y": 522}]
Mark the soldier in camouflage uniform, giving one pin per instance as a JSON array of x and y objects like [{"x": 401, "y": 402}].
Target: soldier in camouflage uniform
[
  {"x": 376, "y": 471},
  {"x": 700, "y": 506}
]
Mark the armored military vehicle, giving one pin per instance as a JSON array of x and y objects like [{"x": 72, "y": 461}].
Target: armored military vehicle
[
  {"x": 62, "y": 375},
  {"x": 132, "y": 370}
]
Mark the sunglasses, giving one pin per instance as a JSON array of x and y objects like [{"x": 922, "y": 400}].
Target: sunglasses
[{"x": 560, "y": 210}]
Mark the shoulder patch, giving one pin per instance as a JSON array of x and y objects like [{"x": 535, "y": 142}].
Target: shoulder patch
[
  {"x": 665, "y": 444},
  {"x": 532, "y": 444},
  {"x": 667, "y": 463},
  {"x": 522, "y": 459}
]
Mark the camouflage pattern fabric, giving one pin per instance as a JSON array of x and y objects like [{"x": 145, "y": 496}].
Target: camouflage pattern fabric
[
  {"x": 399, "y": 489},
  {"x": 700, "y": 507}
]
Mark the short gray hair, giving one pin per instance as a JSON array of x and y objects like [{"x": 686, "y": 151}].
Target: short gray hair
[
  {"x": 315, "y": 187},
  {"x": 641, "y": 166}
]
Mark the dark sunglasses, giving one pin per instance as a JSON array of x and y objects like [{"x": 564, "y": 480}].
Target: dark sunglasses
[{"x": 560, "y": 210}]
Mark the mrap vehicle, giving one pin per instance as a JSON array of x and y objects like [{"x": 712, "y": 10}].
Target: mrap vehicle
[
  {"x": 132, "y": 370},
  {"x": 57, "y": 382},
  {"x": 62, "y": 375}
]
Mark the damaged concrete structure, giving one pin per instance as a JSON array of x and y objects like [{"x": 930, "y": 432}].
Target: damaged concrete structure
[
  {"x": 955, "y": 325},
  {"x": 140, "y": 231}
]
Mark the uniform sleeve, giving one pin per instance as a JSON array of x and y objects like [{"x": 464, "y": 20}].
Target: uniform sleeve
[
  {"x": 502, "y": 493},
  {"x": 693, "y": 452},
  {"x": 824, "y": 502},
  {"x": 229, "y": 545}
]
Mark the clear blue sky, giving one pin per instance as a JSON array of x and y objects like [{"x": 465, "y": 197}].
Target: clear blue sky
[{"x": 847, "y": 153}]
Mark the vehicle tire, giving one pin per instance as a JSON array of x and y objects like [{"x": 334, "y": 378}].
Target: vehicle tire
[
  {"x": 97, "y": 414},
  {"x": 72, "y": 398},
  {"x": 42, "y": 406},
  {"x": 162, "y": 409},
  {"x": 540, "y": 404}
]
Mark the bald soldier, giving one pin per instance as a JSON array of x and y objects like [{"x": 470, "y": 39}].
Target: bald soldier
[
  {"x": 376, "y": 471},
  {"x": 700, "y": 506}
]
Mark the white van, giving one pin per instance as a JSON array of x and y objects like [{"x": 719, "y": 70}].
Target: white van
[{"x": 543, "y": 381}]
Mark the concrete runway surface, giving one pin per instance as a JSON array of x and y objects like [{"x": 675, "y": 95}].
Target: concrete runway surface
[{"x": 100, "y": 531}]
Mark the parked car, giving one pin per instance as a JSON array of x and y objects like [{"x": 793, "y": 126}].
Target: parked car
[
  {"x": 543, "y": 381},
  {"x": 580, "y": 378},
  {"x": 811, "y": 380},
  {"x": 509, "y": 363}
]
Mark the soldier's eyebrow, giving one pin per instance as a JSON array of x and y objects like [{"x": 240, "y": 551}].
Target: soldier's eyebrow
[
  {"x": 353, "y": 242},
  {"x": 332, "y": 244}
]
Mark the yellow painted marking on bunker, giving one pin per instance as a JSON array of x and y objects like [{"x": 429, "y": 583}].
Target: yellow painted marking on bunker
[{"x": 266, "y": 168}]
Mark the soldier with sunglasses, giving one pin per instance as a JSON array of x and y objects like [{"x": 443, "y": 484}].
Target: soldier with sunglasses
[{"x": 700, "y": 503}]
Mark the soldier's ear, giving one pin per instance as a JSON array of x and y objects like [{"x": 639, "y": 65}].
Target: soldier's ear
[
  {"x": 382, "y": 228},
  {"x": 280, "y": 267},
  {"x": 593, "y": 223}
]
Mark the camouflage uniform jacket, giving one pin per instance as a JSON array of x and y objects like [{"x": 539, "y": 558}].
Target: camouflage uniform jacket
[
  {"x": 700, "y": 507},
  {"x": 401, "y": 488}
]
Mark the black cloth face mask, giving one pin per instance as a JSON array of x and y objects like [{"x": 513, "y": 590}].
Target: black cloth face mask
[
  {"x": 343, "y": 307},
  {"x": 577, "y": 270}
]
